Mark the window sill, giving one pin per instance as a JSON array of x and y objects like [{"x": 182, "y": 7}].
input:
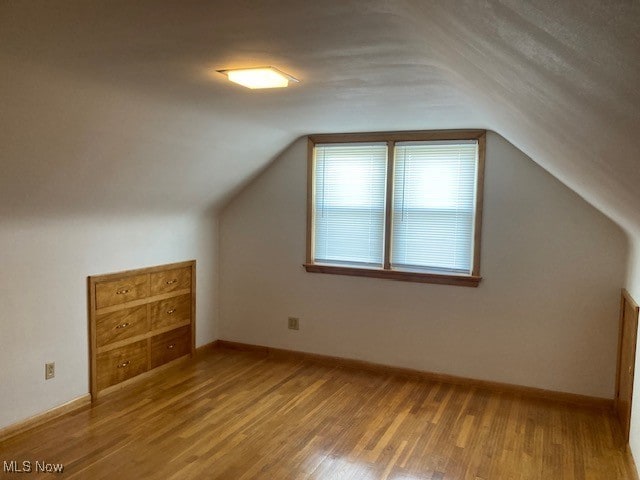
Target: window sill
[{"x": 458, "y": 280}]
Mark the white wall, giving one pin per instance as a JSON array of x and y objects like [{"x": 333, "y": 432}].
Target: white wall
[
  {"x": 43, "y": 287},
  {"x": 93, "y": 179},
  {"x": 633, "y": 274},
  {"x": 545, "y": 314}
]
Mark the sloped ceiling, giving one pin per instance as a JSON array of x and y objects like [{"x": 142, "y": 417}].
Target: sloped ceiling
[{"x": 115, "y": 106}]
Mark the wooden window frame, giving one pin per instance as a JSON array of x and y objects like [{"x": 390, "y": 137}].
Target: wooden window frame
[{"x": 386, "y": 272}]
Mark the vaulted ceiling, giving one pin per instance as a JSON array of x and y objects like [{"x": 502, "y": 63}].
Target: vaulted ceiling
[{"x": 115, "y": 106}]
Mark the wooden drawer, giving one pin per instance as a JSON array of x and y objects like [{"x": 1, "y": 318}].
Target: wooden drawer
[
  {"x": 120, "y": 364},
  {"x": 121, "y": 324},
  {"x": 170, "y": 281},
  {"x": 122, "y": 291},
  {"x": 136, "y": 313},
  {"x": 171, "y": 345},
  {"x": 171, "y": 311}
]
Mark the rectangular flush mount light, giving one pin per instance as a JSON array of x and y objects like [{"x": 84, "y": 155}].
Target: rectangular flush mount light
[{"x": 260, "y": 77}]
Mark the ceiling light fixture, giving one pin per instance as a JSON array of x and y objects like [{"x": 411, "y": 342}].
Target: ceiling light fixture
[{"x": 260, "y": 77}]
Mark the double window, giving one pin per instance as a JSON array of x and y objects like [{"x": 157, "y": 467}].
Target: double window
[{"x": 405, "y": 206}]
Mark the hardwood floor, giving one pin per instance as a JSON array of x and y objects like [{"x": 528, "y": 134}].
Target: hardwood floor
[{"x": 240, "y": 415}]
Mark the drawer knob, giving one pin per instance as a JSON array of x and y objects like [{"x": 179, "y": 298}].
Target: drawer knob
[
  {"x": 124, "y": 364},
  {"x": 169, "y": 312},
  {"x": 123, "y": 325},
  {"x": 122, "y": 292},
  {"x": 171, "y": 346},
  {"x": 171, "y": 282}
]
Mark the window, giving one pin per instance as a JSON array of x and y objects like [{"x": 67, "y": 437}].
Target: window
[{"x": 405, "y": 206}]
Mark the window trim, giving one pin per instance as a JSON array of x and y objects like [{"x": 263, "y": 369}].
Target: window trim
[{"x": 391, "y": 138}]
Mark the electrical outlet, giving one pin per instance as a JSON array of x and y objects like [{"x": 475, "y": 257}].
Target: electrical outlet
[
  {"x": 294, "y": 323},
  {"x": 49, "y": 370}
]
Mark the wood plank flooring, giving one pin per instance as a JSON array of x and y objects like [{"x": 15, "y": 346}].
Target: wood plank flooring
[{"x": 242, "y": 415}]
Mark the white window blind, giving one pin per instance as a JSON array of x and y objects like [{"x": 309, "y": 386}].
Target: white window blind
[
  {"x": 349, "y": 203},
  {"x": 434, "y": 206}
]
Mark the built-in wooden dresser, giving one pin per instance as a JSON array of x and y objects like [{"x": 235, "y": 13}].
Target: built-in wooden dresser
[{"x": 138, "y": 321}]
